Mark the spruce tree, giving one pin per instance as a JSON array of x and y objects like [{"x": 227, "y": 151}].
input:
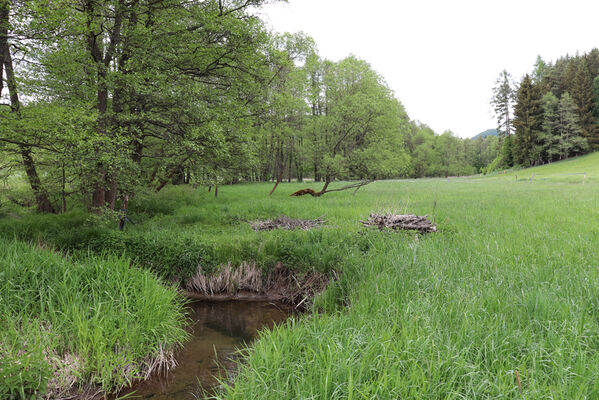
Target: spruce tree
[
  {"x": 596, "y": 99},
  {"x": 503, "y": 102},
  {"x": 539, "y": 71},
  {"x": 571, "y": 142},
  {"x": 549, "y": 138},
  {"x": 592, "y": 59},
  {"x": 527, "y": 123},
  {"x": 582, "y": 94}
]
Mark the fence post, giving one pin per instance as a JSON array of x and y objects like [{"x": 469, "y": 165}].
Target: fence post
[
  {"x": 584, "y": 178},
  {"x": 531, "y": 178}
]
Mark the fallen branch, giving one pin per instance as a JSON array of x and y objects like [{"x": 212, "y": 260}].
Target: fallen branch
[
  {"x": 403, "y": 222},
  {"x": 314, "y": 193}
]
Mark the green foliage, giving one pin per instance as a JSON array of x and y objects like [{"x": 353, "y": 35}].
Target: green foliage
[
  {"x": 570, "y": 140},
  {"x": 569, "y": 100},
  {"x": 527, "y": 123}
]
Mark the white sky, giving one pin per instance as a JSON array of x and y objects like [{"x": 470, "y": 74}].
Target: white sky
[{"x": 442, "y": 57}]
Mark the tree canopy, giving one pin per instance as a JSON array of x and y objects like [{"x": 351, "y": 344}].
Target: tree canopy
[{"x": 108, "y": 98}]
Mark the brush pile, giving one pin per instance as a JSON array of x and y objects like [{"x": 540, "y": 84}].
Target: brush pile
[
  {"x": 401, "y": 222},
  {"x": 283, "y": 222}
]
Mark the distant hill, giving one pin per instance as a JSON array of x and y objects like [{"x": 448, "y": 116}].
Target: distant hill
[{"x": 488, "y": 132}]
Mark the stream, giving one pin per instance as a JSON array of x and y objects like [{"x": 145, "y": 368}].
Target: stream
[{"x": 218, "y": 329}]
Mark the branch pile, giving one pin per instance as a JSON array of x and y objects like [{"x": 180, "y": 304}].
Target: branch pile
[
  {"x": 403, "y": 222},
  {"x": 283, "y": 222}
]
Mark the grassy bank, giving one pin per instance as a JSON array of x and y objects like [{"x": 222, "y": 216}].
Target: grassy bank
[{"x": 74, "y": 325}]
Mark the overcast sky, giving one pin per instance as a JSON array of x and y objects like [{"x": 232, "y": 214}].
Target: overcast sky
[{"x": 442, "y": 57}]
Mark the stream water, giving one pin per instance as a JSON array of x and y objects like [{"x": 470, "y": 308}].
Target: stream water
[{"x": 218, "y": 329}]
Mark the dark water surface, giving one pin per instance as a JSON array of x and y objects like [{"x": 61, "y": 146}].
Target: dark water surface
[{"x": 218, "y": 329}]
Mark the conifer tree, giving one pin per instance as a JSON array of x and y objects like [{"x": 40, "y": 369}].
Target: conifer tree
[
  {"x": 582, "y": 94},
  {"x": 527, "y": 123},
  {"x": 504, "y": 96},
  {"x": 549, "y": 138},
  {"x": 596, "y": 99},
  {"x": 540, "y": 69},
  {"x": 570, "y": 140},
  {"x": 592, "y": 59}
]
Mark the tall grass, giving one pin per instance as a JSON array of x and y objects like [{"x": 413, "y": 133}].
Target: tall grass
[
  {"x": 70, "y": 324},
  {"x": 503, "y": 302}
]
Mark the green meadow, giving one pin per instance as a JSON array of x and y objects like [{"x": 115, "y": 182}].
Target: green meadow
[{"x": 501, "y": 302}]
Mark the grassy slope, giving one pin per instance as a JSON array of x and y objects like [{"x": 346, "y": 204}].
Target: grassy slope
[{"x": 570, "y": 170}]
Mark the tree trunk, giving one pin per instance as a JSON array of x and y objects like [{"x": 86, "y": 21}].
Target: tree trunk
[
  {"x": 111, "y": 193},
  {"x": 102, "y": 54},
  {"x": 279, "y": 179},
  {"x": 41, "y": 196},
  {"x": 169, "y": 176}
]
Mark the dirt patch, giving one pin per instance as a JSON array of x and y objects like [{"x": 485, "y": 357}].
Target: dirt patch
[
  {"x": 401, "y": 222},
  {"x": 283, "y": 222},
  {"x": 247, "y": 282}
]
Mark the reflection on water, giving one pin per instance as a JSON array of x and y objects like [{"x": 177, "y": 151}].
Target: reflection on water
[{"x": 218, "y": 329}]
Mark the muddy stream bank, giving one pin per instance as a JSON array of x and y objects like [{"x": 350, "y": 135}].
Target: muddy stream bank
[{"x": 218, "y": 329}]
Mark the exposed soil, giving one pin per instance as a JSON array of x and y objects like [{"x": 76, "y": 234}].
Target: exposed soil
[{"x": 247, "y": 282}]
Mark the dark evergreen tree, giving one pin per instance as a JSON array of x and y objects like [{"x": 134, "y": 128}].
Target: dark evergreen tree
[
  {"x": 596, "y": 99},
  {"x": 582, "y": 94},
  {"x": 527, "y": 123},
  {"x": 592, "y": 59}
]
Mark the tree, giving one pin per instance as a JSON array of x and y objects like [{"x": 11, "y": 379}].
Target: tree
[
  {"x": 357, "y": 115},
  {"x": 539, "y": 71},
  {"x": 163, "y": 77},
  {"x": 582, "y": 94},
  {"x": 504, "y": 96},
  {"x": 527, "y": 123},
  {"x": 549, "y": 138},
  {"x": 570, "y": 140},
  {"x": 23, "y": 144},
  {"x": 596, "y": 99}
]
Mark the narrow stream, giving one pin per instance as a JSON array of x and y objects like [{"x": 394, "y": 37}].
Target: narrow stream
[{"x": 218, "y": 329}]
